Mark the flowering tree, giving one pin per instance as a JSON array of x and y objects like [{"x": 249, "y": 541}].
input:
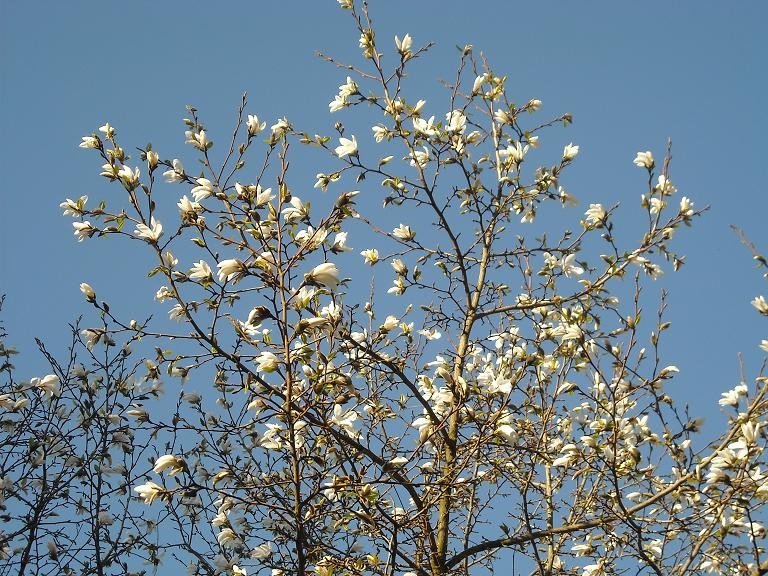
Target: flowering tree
[{"x": 508, "y": 411}]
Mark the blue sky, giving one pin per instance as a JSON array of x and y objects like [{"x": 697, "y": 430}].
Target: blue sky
[{"x": 632, "y": 74}]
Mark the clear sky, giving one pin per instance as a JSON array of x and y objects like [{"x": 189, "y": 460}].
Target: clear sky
[{"x": 632, "y": 73}]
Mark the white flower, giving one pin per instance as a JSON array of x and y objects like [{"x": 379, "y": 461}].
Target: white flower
[
  {"x": 761, "y": 305},
  {"x": 169, "y": 461},
  {"x": 478, "y": 83},
  {"x": 686, "y": 207},
  {"x": 337, "y": 103},
  {"x": 48, "y": 385},
  {"x": 390, "y": 323},
  {"x": 644, "y": 160},
  {"x": 231, "y": 270},
  {"x": 326, "y": 274},
  {"x": 163, "y": 293},
  {"x": 176, "y": 174},
  {"x": 344, "y": 420},
  {"x": 570, "y": 453},
  {"x": 346, "y": 147},
  {"x": 200, "y": 271},
  {"x": 404, "y": 46},
  {"x": 281, "y": 127},
  {"x": 149, "y": 491},
  {"x": 425, "y": 127},
  {"x": 198, "y": 139},
  {"x": 267, "y": 362},
  {"x": 149, "y": 233},
  {"x": 569, "y": 268},
  {"x": 340, "y": 243},
  {"x": 595, "y": 214},
  {"x": 237, "y": 571},
  {"x": 226, "y": 537},
  {"x": 262, "y": 551},
  {"x": 90, "y": 142},
  {"x": 129, "y": 177},
  {"x": 203, "y": 189},
  {"x": 456, "y": 121},
  {"x": 403, "y": 232},
  {"x": 419, "y": 157},
  {"x": 371, "y": 256},
  {"x": 515, "y": 153},
  {"x": 397, "y": 462},
  {"x": 83, "y": 230},
  {"x": 296, "y": 211},
  {"x": 570, "y": 152},
  {"x": 88, "y": 292},
  {"x": 152, "y": 159},
  {"x": 664, "y": 186},
  {"x": 731, "y": 398},
  {"x": 657, "y": 205},
  {"x": 188, "y": 208},
  {"x": 379, "y": 132},
  {"x": 254, "y": 126},
  {"x": 74, "y": 208}
]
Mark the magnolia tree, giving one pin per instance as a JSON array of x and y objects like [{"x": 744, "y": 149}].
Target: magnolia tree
[{"x": 499, "y": 404}]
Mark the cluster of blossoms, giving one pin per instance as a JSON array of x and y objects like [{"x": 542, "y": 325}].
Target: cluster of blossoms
[{"x": 331, "y": 436}]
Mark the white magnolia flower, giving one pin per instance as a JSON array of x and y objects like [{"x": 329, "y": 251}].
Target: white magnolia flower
[
  {"x": 227, "y": 537},
  {"x": 237, "y": 571},
  {"x": 188, "y": 208},
  {"x": 48, "y": 385},
  {"x": 281, "y": 127},
  {"x": 88, "y": 292},
  {"x": 262, "y": 551},
  {"x": 337, "y": 103},
  {"x": 198, "y": 139},
  {"x": 425, "y": 127},
  {"x": 514, "y": 152},
  {"x": 340, "y": 243},
  {"x": 200, "y": 271},
  {"x": 203, "y": 190},
  {"x": 379, "y": 132},
  {"x": 90, "y": 142},
  {"x": 570, "y": 152},
  {"x": 254, "y": 126},
  {"x": 296, "y": 211},
  {"x": 731, "y": 398},
  {"x": 149, "y": 491},
  {"x": 74, "y": 207},
  {"x": 419, "y": 157},
  {"x": 456, "y": 121},
  {"x": 152, "y": 159},
  {"x": 231, "y": 270},
  {"x": 404, "y": 232},
  {"x": 344, "y": 420},
  {"x": 326, "y": 274},
  {"x": 149, "y": 233},
  {"x": 169, "y": 461},
  {"x": 596, "y": 214},
  {"x": 267, "y": 362},
  {"x": 686, "y": 207},
  {"x": 570, "y": 268},
  {"x": 83, "y": 230},
  {"x": 644, "y": 160},
  {"x": 761, "y": 305},
  {"x": 404, "y": 46},
  {"x": 664, "y": 186},
  {"x": 371, "y": 256},
  {"x": 129, "y": 176},
  {"x": 346, "y": 147},
  {"x": 176, "y": 174}
]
